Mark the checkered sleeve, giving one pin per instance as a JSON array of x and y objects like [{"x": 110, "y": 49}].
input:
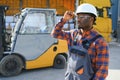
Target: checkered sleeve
[
  {"x": 59, "y": 33},
  {"x": 102, "y": 60}
]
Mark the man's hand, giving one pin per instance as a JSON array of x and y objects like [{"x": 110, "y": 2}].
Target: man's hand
[{"x": 68, "y": 15}]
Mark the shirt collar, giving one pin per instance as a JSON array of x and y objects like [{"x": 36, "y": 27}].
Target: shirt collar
[{"x": 87, "y": 33}]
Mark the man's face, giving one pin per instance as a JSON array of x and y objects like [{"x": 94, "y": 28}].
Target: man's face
[{"x": 84, "y": 21}]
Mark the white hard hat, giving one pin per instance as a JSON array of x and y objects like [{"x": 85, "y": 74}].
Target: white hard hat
[{"x": 86, "y": 8}]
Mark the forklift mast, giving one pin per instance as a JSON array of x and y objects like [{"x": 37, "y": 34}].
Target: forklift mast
[{"x": 2, "y": 29}]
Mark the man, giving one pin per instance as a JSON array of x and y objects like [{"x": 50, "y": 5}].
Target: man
[{"x": 98, "y": 51}]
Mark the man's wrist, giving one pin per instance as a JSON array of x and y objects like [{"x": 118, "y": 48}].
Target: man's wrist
[{"x": 63, "y": 20}]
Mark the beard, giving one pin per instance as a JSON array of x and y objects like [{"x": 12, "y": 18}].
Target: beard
[
  {"x": 84, "y": 24},
  {"x": 84, "y": 27},
  {"x": 80, "y": 26}
]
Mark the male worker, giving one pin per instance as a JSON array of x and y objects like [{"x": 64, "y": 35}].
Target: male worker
[{"x": 98, "y": 51}]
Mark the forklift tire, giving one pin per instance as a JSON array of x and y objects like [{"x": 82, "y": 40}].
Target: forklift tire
[
  {"x": 59, "y": 62},
  {"x": 11, "y": 65}
]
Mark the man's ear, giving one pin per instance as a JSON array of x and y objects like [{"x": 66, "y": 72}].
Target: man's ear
[{"x": 92, "y": 19}]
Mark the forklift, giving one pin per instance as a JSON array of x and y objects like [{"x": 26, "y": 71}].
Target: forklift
[{"x": 31, "y": 46}]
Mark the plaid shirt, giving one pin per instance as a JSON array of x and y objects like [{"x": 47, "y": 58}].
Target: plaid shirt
[{"x": 98, "y": 50}]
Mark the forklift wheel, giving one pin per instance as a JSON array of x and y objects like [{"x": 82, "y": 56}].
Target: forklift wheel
[
  {"x": 11, "y": 65},
  {"x": 59, "y": 62}
]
